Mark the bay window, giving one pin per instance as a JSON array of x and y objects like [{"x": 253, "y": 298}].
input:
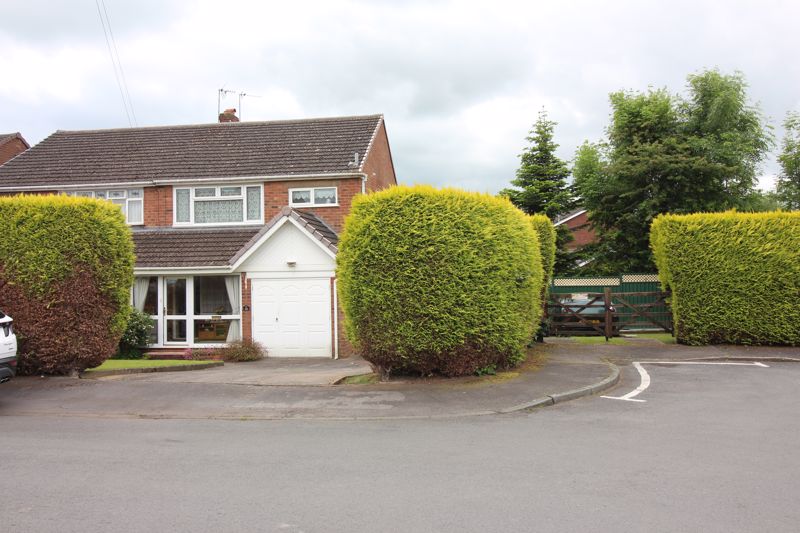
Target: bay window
[{"x": 225, "y": 204}]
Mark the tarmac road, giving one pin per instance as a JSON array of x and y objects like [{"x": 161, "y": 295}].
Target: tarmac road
[{"x": 712, "y": 448}]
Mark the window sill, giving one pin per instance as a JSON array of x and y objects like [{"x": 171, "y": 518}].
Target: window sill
[{"x": 301, "y": 206}]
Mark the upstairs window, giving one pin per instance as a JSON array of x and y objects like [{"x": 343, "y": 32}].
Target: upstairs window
[
  {"x": 313, "y": 197},
  {"x": 224, "y": 204},
  {"x": 130, "y": 201}
]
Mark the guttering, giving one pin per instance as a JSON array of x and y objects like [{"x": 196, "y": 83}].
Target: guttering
[
  {"x": 184, "y": 270},
  {"x": 152, "y": 182},
  {"x": 363, "y": 184}
]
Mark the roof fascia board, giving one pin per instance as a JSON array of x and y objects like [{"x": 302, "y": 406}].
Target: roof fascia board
[
  {"x": 183, "y": 270},
  {"x": 579, "y": 213},
  {"x": 311, "y": 236}
]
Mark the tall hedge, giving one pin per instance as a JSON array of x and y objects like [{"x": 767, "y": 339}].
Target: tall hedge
[
  {"x": 735, "y": 277},
  {"x": 547, "y": 244},
  {"x": 439, "y": 281},
  {"x": 66, "y": 268}
]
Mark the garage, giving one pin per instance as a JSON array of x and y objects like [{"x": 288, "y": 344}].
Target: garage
[{"x": 292, "y": 317}]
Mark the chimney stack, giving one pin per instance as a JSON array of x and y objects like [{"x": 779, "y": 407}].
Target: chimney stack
[{"x": 229, "y": 115}]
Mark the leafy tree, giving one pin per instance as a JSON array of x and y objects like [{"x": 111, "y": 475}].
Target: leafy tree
[
  {"x": 788, "y": 185},
  {"x": 668, "y": 154},
  {"x": 541, "y": 187}
]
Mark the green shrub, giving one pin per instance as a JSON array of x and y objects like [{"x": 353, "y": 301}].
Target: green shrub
[
  {"x": 66, "y": 268},
  {"x": 735, "y": 277},
  {"x": 241, "y": 351},
  {"x": 439, "y": 281},
  {"x": 136, "y": 335},
  {"x": 547, "y": 243}
]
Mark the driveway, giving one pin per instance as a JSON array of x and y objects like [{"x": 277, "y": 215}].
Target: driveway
[{"x": 269, "y": 371}]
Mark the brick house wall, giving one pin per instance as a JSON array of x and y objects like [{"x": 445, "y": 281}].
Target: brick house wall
[
  {"x": 158, "y": 206},
  {"x": 276, "y": 196},
  {"x": 379, "y": 167},
  {"x": 11, "y": 149},
  {"x": 582, "y": 231}
]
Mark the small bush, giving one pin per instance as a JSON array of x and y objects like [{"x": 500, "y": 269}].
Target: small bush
[
  {"x": 439, "y": 281},
  {"x": 735, "y": 277},
  {"x": 66, "y": 268},
  {"x": 241, "y": 351},
  {"x": 135, "y": 336}
]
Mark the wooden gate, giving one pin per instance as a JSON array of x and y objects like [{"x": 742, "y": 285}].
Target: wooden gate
[{"x": 629, "y": 302}]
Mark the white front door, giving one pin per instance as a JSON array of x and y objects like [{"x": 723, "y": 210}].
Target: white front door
[{"x": 292, "y": 317}]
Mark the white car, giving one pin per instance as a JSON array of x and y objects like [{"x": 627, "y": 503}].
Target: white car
[{"x": 8, "y": 348}]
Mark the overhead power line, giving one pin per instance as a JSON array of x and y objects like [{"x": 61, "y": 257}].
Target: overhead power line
[{"x": 116, "y": 63}]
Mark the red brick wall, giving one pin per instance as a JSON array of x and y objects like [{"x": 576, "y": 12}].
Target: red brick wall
[
  {"x": 582, "y": 231},
  {"x": 11, "y": 149},
  {"x": 276, "y": 196},
  {"x": 379, "y": 167},
  {"x": 158, "y": 206},
  {"x": 247, "y": 317}
]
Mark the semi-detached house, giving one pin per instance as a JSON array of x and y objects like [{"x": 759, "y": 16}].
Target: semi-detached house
[{"x": 235, "y": 224}]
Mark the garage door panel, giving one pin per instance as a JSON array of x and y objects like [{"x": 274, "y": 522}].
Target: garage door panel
[{"x": 292, "y": 318}]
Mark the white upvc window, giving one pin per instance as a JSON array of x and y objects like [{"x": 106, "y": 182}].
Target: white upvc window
[
  {"x": 314, "y": 197},
  {"x": 130, "y": 201},
  {"x": 219, "y": 205}
]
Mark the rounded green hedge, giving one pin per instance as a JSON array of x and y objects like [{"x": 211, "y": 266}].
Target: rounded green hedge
[
  {"x": 66, "y": 269},
  {"x": 547, "y": 244},
  {"x": 439, "y": 281},
  {"x": 734, "y": 277}
]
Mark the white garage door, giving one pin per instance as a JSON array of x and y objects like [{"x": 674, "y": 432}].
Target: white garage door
[{"x": 292, "y": 317}]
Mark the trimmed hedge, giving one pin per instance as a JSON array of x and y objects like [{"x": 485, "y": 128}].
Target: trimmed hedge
[
  {"x": 735, "y": 277},
  {"x": 66, "y": 268},
  {"x": 547, "y": 244},
  {"x": 439, "y": 281}
]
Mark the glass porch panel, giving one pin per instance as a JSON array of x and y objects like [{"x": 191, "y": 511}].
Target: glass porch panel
[
  {"x": 151, "y": 298},
  {"x": 176, "y": 330},
  {"x": 212, "y": 331},
  {"x": 176, "y": 296},
  {"x": 154, "y": 332},
  {"x": 211, "y": 296}
]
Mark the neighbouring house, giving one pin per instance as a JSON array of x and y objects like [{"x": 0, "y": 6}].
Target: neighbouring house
[
  {"x": 578, "y": 224},
  {"x": 11, "y": 145},
  {"x": 235, "y": 224}
]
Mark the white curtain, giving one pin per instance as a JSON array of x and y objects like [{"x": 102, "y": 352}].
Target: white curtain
[
  {"x": 232, "y": 286},
  {"x": 140, "y": 286}
]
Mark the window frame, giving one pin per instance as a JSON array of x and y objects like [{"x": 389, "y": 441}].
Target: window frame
[
  {"x": 311, "y": 191},
  {"x": 92, "y": 193},
  {"x": 190, "y": 317},
  {"x": 216, "y": 198}
]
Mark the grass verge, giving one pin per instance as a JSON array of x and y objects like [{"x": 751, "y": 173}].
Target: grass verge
[{"x": 125, "y": 364}]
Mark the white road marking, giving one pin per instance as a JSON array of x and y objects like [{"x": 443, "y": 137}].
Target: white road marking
[{"x": 646, "y": 377}]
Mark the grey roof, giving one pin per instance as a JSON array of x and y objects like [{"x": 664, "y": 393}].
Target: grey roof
[
  {"x": 319, "y": 146},
  {"x": 189, "y": 247},
  {"x": 216, "y": 246}
]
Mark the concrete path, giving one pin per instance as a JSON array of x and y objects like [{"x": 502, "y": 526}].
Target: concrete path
[{"x": 283, "y": 371}]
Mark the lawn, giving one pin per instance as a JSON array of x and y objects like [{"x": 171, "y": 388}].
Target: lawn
[
  {"x": 124, "y": 364},
  {"x": 666, "y": 338},
  {"x": 598, "y": 340}
]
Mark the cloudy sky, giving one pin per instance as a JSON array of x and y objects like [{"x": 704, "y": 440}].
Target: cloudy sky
[{"x": 460, "y": 82}]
